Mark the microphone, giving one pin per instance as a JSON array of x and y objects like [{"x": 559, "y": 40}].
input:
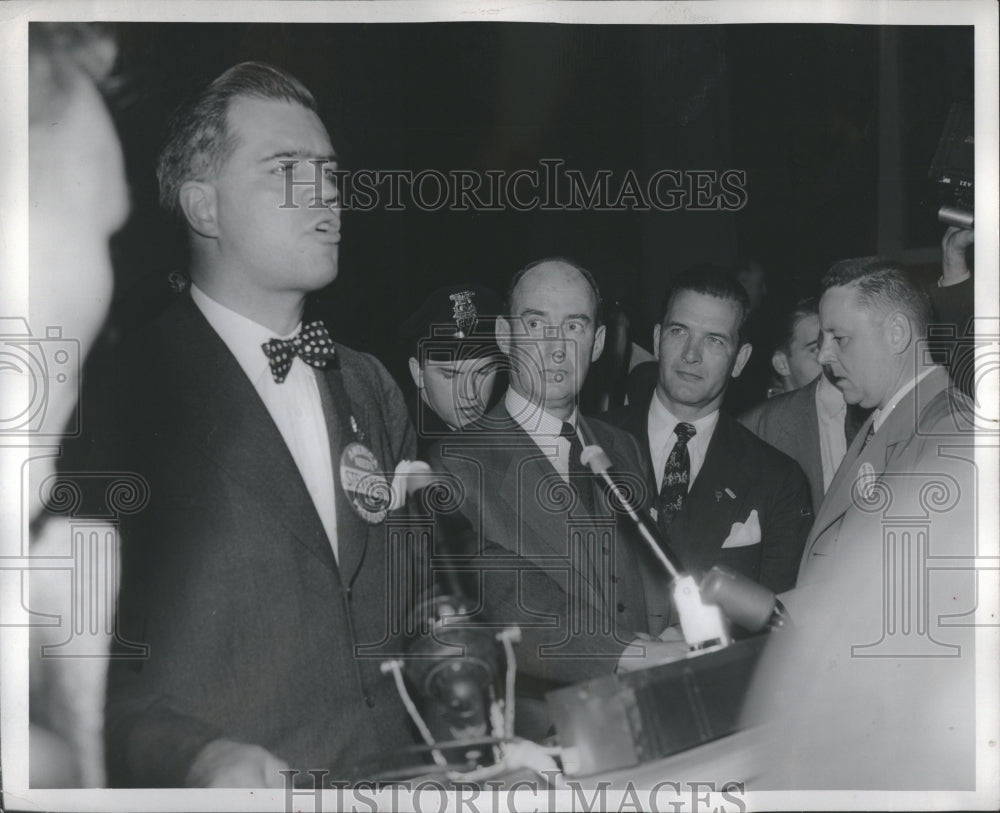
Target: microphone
[
  {"x": 702, "y": 624},
  {"x": 597, "y": 460},
  {"x": 452, "y": 666},
  {"x": 744, "y": 601}
]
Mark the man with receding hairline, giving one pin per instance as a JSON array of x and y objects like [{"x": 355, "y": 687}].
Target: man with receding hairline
[{"x": 571, "y": 571}]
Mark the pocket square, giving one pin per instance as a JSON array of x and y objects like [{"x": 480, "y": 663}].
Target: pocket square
[{"x": 744, "y": 533}]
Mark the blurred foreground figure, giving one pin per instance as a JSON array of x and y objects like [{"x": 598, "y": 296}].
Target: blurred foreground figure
[
  {"x": 875, "y": 688},
  {"x": 78, "y": 199}
]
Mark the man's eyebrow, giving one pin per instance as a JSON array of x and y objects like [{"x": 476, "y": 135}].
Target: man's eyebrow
[
  {"x": 299, "y": 154},
  {"x": 534, "y": 312}
]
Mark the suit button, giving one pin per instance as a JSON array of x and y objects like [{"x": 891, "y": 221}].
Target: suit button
[
  {"x": 369, "y": 700},
  {"x": 621, "y": 607}
]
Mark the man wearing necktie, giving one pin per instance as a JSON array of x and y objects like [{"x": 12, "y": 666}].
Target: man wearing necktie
[
  {"x": 879, "y": 685},
  {"x": 724, "y": 497},
  {"x": 558, "y": 560},
  {"x": 258, "y": 572}
]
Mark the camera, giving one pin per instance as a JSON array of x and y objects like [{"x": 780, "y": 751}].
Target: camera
[
  {"x": 33, "y": 370},
  {"x": 953, "y": 167}
]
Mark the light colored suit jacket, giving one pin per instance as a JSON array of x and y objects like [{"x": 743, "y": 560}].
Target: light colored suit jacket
[
  {"x": 877, "y": 683},
  {"x": 790, "y": 424}
]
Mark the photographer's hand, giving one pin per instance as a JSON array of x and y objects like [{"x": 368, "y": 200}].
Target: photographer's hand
[{"x": 953, "y": 246}]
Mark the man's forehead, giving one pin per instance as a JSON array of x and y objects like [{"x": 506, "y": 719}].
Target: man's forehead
[
  {"x": 554, "y": 287},
  {"x": 839, "y": 307},
  {"x": 704, "y": 310},
  {"x": 279, "y": 126}
]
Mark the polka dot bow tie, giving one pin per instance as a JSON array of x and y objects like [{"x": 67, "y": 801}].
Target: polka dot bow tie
[{"x": 312, "y": 344}]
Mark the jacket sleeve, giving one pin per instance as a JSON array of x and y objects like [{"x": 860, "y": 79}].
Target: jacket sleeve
[{"x": 790, "y": 516}]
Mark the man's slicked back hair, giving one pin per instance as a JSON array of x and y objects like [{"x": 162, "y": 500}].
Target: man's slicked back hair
[
  {"x": 882, "y": 286},
  {"x": 199, "y": 140},
  {"x": 710, "y": 280},
  {"x": 589, "y": 277}
]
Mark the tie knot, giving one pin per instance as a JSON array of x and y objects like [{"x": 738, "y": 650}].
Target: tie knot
[
  {"x": 684, "y": 432},
  {"x": 568, "y": 431}
]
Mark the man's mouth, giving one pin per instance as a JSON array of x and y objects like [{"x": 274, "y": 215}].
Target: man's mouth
[
  {"x": 330, "y": 229},
  {"x": 686, "y": 376}
]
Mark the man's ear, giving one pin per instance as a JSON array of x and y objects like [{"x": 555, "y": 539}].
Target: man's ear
[
  {"x": 599, "y": 336},
  {"x": 780, "y": 363},
  {"x": 198, "y": 202},
  {"x": 656, "y": 342},
  {"x": 898, "y": 331},
  {"x": 742, "y": 357},
  {"x": 503, "y": 331},
  {"x": 416, "y": 373}
]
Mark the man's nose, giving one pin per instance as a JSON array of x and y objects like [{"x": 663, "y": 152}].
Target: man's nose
[
  {"x": 692, "y": 352},
  {"x": 826, "y": 354}
]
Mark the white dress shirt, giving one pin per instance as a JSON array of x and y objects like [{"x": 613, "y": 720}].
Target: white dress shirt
[
  {"x": 544, "y": 428},
  {"x": 294, "y": 405},
  {"x": 660, "y": 424},
  {"x": 831, "y": 409},
  {"x": 882, "y": 414}
]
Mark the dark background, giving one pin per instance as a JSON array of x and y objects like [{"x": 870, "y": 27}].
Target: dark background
[{"x": 795, "y": 106}]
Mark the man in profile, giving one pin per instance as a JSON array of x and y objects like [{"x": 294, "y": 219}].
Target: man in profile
[
  {"x": 809, "y": 421},
  {"x": 256, "y": 572},
  {"x": 877, "y": 685}
]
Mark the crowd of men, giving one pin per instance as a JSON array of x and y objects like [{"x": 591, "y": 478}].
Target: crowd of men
[{"x": 258, "y": 570}]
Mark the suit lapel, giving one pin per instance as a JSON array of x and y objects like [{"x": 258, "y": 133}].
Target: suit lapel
[
  {"x": 899, "y": 427},
  {"x": 529, "y": 488},
  {"x": 233, "y": 428},
  {"x": 809, "y": 434},
  {"x": 716, "y": 497},
  {"x": 352, "y": 530}
]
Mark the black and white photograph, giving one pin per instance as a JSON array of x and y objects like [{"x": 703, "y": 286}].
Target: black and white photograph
[{"x": 562, "y": 406}]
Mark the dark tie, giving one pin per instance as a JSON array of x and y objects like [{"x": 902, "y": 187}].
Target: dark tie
[
  {"x": 854, "y": 418},
  {"x": 868, "y": 436},
  {"x": 312, "y": 344},
  {"x": 676, "y": 475},
  {"x": 580, "y": 476}
]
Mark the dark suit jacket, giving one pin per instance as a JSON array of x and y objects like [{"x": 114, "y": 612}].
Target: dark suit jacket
[
  {"x": 761, "y": 478},
  {"x": 577, "y": 609},
  {"x": 790, "y": 424},
  {"x": 255, "y": 633}
]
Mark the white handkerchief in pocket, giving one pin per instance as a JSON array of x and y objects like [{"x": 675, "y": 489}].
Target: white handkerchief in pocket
[{"x": 744, "y": 533}]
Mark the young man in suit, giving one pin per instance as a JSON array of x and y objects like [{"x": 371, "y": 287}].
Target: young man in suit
[
  {"x": 878, "y": 685},
  {"x": 723, "y": 495},
  {"x": 558, "y": 559},
  {"x": 258, "y": 571},
  {"x": 810, "y": 421}
]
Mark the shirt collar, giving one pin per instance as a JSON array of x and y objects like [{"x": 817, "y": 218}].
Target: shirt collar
[
  {"x": 829, "y": 400},
  {"x": 662, "y": 418},
  {"x": 882, "y": 414},
  {"x": 532, "y": 418},
  {"x": 244, "y": 337}
]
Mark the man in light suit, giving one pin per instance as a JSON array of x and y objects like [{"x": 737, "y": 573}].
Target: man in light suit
[
  {"x": 724, "y": 496},
  {"x": 258, "y": 572},
  {"x": 878, "y": 683},
  {"x": 809, "y": 421},
  {"x": 558, "y": 559}
]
